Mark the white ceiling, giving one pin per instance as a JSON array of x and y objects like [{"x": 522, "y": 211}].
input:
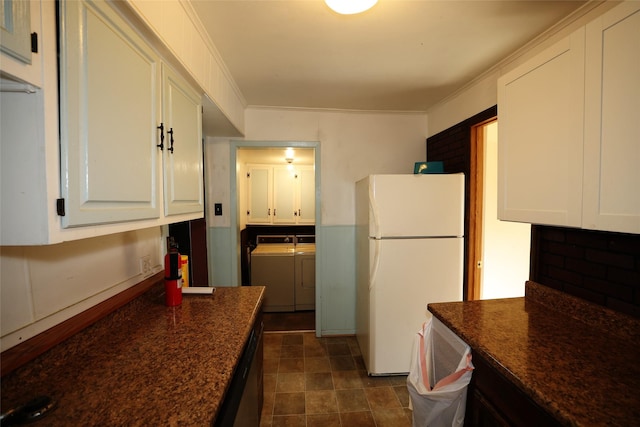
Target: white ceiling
[{"x": 402, "y": 55}]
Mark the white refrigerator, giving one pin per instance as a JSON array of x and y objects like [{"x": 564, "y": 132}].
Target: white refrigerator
[{"x": 409, "y": 253}]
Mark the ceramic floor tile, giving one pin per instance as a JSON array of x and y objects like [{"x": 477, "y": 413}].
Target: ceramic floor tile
[
  {"x": 318, "y": 381},
  {"x": 346, "y": 379},
  {"x": 289, "y": 421},
  {"x": 269, "y": 382},
  {"x": 338, "y": 349},
  {"x": 273, "y": 339},
  {"x": 289, "y": 403},
  {"x": 357, "y": 419},
  {"x": 291, "y": 351},
  {"x": 268, "y": 400},
  {"x": 311, "y": 381},
  {"x": 317, "y": 364},
  {"x": 369, "y": 381},
  {"x": 291, "y": 365},
  {"x": 321, "y": 402},
  {"x": 292, "y": 339},
  {"x": 272, "y": 352},
  {"x": 287, "y": 383},
  {"x": 352, "y": 400},
  {"x": 266, "y": 421},
  {"x": 314, "y": 350},
  {"x": 398, "y": 380},
  {"x": 271, "y": 366},
  {"x": 324, "y": 420},
  {"x": 403, "y": 395},
  {"x": 382, "y": 398},
  {"x": 342, "y": 363},
  {"x": 391, "y": 418}
]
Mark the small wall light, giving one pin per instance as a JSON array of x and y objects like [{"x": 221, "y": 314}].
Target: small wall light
[{"x": 288, "y": 155}]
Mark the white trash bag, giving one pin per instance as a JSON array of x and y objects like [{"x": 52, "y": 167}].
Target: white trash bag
[{"x": 439, "y": 374}]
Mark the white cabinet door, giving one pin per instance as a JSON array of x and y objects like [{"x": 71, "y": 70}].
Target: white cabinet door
[
  {"x": 259, "y": 195},
  {"x": 182, "y": 152},
  {"x": 17, "y": 61},
  {"x": 306, "y": 195},
  {"x": 612, "y": 121},
  {"x": 108, "y": 117},
  {"x": 15, "y": 29},
  {"x": 540, "y": 107},
  {"x": 284, "y": 201}
]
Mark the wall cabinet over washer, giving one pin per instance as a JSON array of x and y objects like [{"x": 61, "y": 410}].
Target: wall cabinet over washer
[
  {"x": 280, "y": 194},
  {"x": 568, "y": 133},
  {"x": 121, "y": 108}
]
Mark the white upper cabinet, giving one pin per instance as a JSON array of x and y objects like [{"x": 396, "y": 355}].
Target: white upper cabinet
[
  {"x": 280, "y": 194},
  {"x": 306, "y": 193},
  {"x": 540, "y": 108},
  {"x": 109, "y": 96},
  {"x": 182, "y": 151},
  {"x": 259, "y": 194},
  {"x": 569, "y": 129},
  {"x": 100, "y": 168},
  {"x": 612, "y": 121},
  {"x": 284, "y": 195},
  {"x": 20, "y": 41}
]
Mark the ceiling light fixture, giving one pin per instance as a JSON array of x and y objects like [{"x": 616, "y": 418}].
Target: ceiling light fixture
[
  {"x": 288, "y": 155},
  {"x": 350, "y": 7}
]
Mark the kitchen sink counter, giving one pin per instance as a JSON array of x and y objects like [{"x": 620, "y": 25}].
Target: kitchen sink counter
[
  {"x": 574, "y": 359},
  {"x": 144, "y": 364}
]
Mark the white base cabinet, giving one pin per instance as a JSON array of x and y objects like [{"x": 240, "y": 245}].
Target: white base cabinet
[{"x": 568, "y": 129}]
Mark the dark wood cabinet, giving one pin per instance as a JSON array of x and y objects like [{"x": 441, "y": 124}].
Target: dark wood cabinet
[
  {"x": 494, "y": 401},
  {"x": 191, "y": 237}
]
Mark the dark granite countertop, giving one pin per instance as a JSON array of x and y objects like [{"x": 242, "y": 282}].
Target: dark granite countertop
[
  {"x": 574, "y": 359},
  {"x": 145, "y": 364}
]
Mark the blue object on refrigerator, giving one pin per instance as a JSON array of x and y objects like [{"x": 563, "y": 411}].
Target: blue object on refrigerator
[{"x": 428, "y": 167}]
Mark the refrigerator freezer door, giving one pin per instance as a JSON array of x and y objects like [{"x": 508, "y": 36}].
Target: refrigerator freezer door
[
  {"x": 407, "y": 274},
  {"x": 416, "y": 205}
]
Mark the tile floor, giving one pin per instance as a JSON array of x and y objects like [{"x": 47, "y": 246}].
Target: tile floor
[{"x": 311, "y": 381}]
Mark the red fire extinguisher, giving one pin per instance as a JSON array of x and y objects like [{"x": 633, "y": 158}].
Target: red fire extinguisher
[{"x": 172, "y": 275}]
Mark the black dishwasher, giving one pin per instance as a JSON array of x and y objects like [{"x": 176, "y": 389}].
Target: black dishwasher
[{"x": 242, "y": 404}]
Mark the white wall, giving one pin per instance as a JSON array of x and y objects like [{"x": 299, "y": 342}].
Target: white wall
[
  {"x": 352, "y": 145},
  {"x": 50, "y": 284}
]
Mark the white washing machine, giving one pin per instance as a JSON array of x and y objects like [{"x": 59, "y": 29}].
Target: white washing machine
[
  {"x": 305, "y": 273},
  {"x": 272, "y": 265}
]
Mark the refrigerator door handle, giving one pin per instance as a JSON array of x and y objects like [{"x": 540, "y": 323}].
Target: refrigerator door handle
[
  {"x": 373, "y": 213},
  {"x": 374, "y": 265}
]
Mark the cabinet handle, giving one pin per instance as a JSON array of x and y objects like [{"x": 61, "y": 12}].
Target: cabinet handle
[
  {"x": 269, "y": 212},
  {"x": 161, "y": 145},
  {"x": 274, "y": 211},
  {"x": 170, "y": 132},
  {"x": 299, "y": 213}
]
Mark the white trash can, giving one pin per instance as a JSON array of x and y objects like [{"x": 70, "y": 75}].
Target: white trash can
[{"x": 439, "y": 374}]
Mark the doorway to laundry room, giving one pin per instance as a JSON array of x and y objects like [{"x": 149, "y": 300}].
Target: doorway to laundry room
[{"x": 276, "y": 205}]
